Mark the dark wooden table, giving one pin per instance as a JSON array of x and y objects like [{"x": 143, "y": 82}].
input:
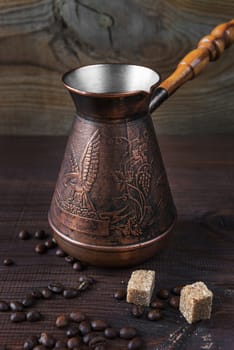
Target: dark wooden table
[{"x": 201, "y": 174}]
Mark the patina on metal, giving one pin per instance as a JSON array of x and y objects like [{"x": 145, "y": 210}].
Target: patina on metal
[{"x": 112, "y": 204}]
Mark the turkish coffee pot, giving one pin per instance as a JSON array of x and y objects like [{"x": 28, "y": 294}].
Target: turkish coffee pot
[{"x": 112, "y": 204}]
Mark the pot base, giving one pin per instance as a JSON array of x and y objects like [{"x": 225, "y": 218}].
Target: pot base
[{"x": 106, "y": 256}]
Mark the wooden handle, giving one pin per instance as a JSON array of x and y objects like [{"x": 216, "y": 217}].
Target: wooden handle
[{"x": 209, "y": 48}]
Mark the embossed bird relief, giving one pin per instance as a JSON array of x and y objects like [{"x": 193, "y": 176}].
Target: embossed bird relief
[{"x": 79, "y": 181}]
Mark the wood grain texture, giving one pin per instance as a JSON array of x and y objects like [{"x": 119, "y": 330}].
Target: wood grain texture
[
  {"x": 40, "y": 40},
  {"x": 200, "y": 171}
]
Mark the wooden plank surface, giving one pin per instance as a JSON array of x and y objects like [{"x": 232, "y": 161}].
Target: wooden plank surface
[
  {"x": 200, "y": 171},
  {"x": 40, "y": 40}
]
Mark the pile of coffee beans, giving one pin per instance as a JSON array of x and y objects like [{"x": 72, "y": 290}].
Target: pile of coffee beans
[
  {"x": 81, "y": 331},
  {"x": 154, "y": 312}
]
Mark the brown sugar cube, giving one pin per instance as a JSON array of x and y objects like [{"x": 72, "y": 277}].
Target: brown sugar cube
[
  {"x": 196, "y": 302},
  {"x": 140, "y": 287}
]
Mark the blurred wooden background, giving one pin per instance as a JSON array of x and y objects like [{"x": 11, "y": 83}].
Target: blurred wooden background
[{"x": 42, "y": 39}]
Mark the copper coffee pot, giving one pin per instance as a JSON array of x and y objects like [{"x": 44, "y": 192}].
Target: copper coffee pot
[{"x": 112, "y": 204}]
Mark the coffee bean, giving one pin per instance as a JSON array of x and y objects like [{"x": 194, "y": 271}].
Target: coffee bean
[
  {"x": 77, "y": 316},
  {"x": 16, "y": 306},
  {"x": 110, "y": 333},
  {"x": 163, "y": 293},
  {"x": 174, "y": 302},
  {"x": 70, "y": 293},
  {"x": 89, "y": 279},
  {"x": 97, "y": 341},
  {"x": 177, "y": 290},
  {"x": 24, "y": 235},
  {"x": 28, "y": 301},
  {"x": 77, "y": 266},
  {"x": 40, "y": 248},
  {"x": 83, "y": 286},
  {"x": 127, "y": 332},
  {"x": 47, "y": 340},
  {"x": 84, "y": 327},
  {"x": 135, "y": 344},
  {"x": 137, "y": 310},
  {"x": 120, "y": 294},
  {"x": 99, "y": 325},
  {"x": 56, "y": 288},
  {"x": 61, "y": 344},
  {"x": 59, "y": 252},
  {"x": 73, "y": 342},
  {"x": 33, "y": 316},
  {"x": 40, "y": 234},
  {"x": 30, "y": 342},
  {"x": 8, "y": 262},
  {"x": 157, "y": 304},
  {"x": 36, "y": 294},
  {"x": 72, "y": 331},
  {"x": 154, "y": 315},
  {"x": 17, "y": 317},
  {"x": 39, "y": 347},
  {"x": 49, "y": 243},
  {"x": 70, "y": 259},
  {"x": 4, "y": 306},
  {"x": 46, "y": 293},
  {"x": 62, "y": 321}
]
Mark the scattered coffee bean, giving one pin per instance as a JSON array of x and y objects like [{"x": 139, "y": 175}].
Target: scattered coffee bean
[
  {"x": 40, "y": 248},
  {"x": 40, "y": 234},
  {"x": 89, "y": 279},
  {"x": 77, "y": 316},
  {"x": 127, "y": 332},
  {"x": 70, "y": 259},
  {"x": 30, "y": 342},
  {"x": 47, "y": 340},
  {"x": 100, "y": 347},
  {"x": 60, "y": 253},
  {"x": 154, "y": 315},
  {"x": 61, "y": 344},
  {"x": 56, "y": 288},
  {"x": 33, "y": 316},
  {"x": 17, "y": 317},
  {"x": 174, "y": 302},
  {"x": 62, "y": 321},
  {"x": 46, "y": 293},
  {"x": 28, "y": 301},
  {"x": 72, "y": 331},
  {"x": 99, "y": 325},
  {"x": 49, "y": 243},
  {"x": 70, "y": 293},
  {"x": 137, "y": 310},
  {"x": 16, "y": 306},
  {"x": 36, "y": 294},
  {"x": 87, "y": 337},
  {"x": 84, "y": 327},
  {"x": 157, "y": 304},
  {"x": 24, "y": 235},
  {"x": 83, "y": 286},
  {"x": 120, "y": 294},
  {"x": 110, "y": 333},
  {"x": 4, "y": 306},
  {"x": 163, "y": 293},
  {"x": 8, "y": 262},
  {"x": 135, "y": 344},
  {"x": 77, "y": 266},
  {"x": 177, "y": 290},
  {"x": 97, "y": 341},
  {"x": 73, "y": 342}
]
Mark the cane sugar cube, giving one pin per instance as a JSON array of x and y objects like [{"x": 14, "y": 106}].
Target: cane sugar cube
[
  {"x": 196, "y": 302},
  {"x": 140, "y": 287}
]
